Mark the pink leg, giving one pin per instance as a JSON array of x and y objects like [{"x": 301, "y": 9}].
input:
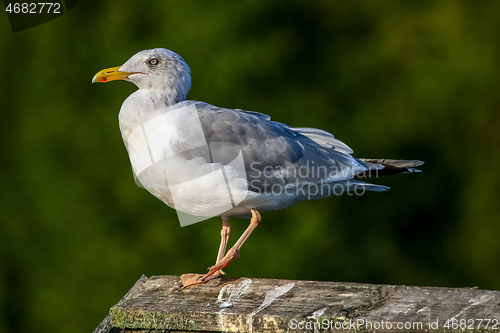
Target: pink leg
[
  {"x": 234, "y": 252},
  {"x": 224, "y": 237},
  {"x": 191, "y": 279}
]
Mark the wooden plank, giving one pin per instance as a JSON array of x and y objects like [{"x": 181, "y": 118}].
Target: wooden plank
[{"x": 266, "y": 305}]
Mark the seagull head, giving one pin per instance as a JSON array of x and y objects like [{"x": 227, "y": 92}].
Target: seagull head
[{"x": 158, "y": 70}]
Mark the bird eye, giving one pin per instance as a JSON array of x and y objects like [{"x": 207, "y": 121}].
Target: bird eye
[{"x": 153, "y": 62}]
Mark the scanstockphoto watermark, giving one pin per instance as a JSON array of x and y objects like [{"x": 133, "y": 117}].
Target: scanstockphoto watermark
[
  {"x": 307, "y": 190},
  {"x": 358, "y": 324},
  {"x": 350, "y": 325},
  {"x": 308, "y": 180},
  {"x": 311, "y": 170}
]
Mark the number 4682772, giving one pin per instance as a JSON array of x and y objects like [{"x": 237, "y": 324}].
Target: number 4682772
[{"x": 34, "y": 8}]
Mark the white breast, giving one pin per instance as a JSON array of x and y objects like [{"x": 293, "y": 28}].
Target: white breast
[{"x": 172, "y": 160}]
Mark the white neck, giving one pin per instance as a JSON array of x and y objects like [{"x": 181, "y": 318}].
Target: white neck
[{"x": 142, "y": 106}]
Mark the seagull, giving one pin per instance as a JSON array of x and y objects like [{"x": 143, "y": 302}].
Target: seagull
[{"x": 206, "y": 161}]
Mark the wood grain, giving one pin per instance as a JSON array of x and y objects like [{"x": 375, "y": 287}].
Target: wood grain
[{"x": 267, "y": 305}]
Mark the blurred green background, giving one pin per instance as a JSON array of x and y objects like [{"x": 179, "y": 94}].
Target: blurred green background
[{"x": 406, "y": 79}]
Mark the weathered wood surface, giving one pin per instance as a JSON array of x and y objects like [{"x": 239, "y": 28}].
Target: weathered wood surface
[
  {"x": 105, "y": 325},
  {"x": 265, "y": 305}
]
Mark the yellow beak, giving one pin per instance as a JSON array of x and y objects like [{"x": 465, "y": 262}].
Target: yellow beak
[{"x": 110, "y": 74}]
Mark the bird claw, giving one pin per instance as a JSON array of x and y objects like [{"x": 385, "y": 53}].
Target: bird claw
[{"x": 191, "y": 279}]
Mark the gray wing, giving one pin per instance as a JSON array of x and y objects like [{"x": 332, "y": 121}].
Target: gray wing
[{"x": 275, "y": 153}]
